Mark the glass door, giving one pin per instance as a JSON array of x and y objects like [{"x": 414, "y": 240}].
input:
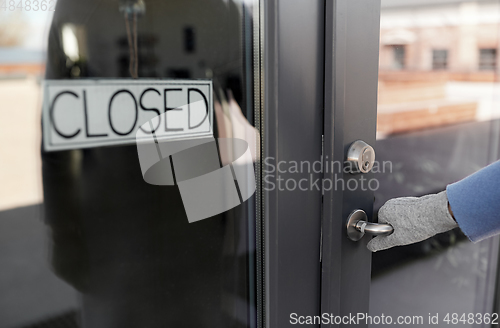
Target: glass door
[
  {"x": 438, "y": 122},
  {"x": 148, "y": 213},
  {"x": 121, "y": 235},
  {"x": 417, "y": 82}
]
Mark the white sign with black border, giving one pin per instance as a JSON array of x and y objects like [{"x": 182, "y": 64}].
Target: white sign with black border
[{"x": 93, "y": 113}]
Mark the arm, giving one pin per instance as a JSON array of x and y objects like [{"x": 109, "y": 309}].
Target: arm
[{"x": 473, "y": 203}]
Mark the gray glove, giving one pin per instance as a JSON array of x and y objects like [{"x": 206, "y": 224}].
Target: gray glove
[{"x": 413, "y": 219}]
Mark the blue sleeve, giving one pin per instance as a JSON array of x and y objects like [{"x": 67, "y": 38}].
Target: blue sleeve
[{"x": 475, "y": 202}]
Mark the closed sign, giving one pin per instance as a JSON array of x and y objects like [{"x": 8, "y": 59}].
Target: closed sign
[{"x": 92, "y": 113}]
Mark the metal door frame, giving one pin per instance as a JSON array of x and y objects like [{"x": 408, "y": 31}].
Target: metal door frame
[
  {"x": 305, "y": 71},
  {"x": 293, "y": 127},
  {"x": 351, "y": 82}
]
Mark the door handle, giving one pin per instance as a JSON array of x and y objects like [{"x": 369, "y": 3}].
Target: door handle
[{"x": 358, "y": 225}]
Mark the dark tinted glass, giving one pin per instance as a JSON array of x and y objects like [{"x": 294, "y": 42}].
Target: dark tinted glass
[{"x": 126, "y": 245}]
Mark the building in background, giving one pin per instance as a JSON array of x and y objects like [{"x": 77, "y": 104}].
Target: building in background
[
  {"x": 455, "y": 36},
  {"x": 427, "y": 45}
]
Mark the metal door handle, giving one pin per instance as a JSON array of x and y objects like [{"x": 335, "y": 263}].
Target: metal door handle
[{"x": 358, "y": 225}]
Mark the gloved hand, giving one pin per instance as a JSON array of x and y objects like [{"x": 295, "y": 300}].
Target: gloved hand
[{"x": 413, "y": 219}]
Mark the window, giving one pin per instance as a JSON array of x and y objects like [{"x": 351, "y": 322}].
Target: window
[
  {"x": 487, "y": 59},
  {"x": 439, "y": 59},
  {"x": 399, "y": 57}
]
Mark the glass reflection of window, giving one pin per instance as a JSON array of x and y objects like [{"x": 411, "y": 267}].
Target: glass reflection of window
[
  {"x": 70, "y": 42},
  {"x": 487, "y": 59},
  {"x": 74, "y": 44},
  {"x": 439, "y": 59},
  {"x": 399, "y": 57}
]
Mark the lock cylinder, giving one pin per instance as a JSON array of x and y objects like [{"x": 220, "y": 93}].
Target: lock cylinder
[{"x": 361, "y": 157}]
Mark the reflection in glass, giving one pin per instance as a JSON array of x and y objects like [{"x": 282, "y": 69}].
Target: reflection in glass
[
  {"x": 438, "y": 121},
  {"x": 127, "y": 246}
]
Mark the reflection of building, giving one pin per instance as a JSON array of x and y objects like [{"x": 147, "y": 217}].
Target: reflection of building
[
  {"x": 425, "y": 44},
  {"x": 452, "y": 35}
]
